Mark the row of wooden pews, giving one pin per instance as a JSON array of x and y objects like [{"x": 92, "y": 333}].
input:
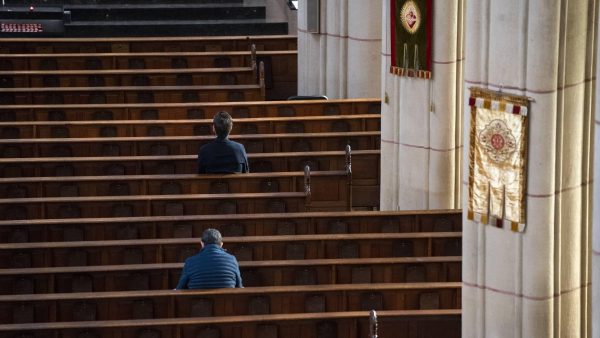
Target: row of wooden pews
[
  {"x": 69, "y": 71},
  {"x": 288, "y": 137},
  {"x": 100, "y": 203},
  {"x": 292, "y": 264}
]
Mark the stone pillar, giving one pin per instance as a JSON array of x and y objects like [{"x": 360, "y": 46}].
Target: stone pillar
[
  {"x": 341, "y": 61},
  {"x": 535, "y": 284},
  {"x": 595, "y": 318},
  {"x": 421, "y": 120}
]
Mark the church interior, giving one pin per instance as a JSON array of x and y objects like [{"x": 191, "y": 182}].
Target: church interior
[{"x": 402, "y": 184}]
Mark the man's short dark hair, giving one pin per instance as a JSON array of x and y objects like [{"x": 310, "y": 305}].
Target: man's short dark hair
[
  {"x": 223, "y": 123},
  {"x": 211, "y": 236}
]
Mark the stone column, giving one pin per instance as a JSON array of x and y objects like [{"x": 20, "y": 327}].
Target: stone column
[
  {"x": 535, "y": 284},
  {"x": 341, "y": 60},
  {"x": 421, "y": 120},
  {"x": 595, "y": 318}
]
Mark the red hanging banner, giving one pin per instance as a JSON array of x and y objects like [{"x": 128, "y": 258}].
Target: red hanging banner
[{"x": 411, "y": 35}]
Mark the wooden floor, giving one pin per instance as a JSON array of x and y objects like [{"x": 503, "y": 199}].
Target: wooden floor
[{"x": 100, "y": 203}]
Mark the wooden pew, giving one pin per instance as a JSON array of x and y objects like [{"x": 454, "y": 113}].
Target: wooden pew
[
  {"x": 350, "y": 324},
  {"x": 365, "y": 168},
  {"x": 147, "y": 44},
  {"x": 197, "y": 110},
  {"x": 279, "y": 247},
  {"x": 187, "y": 144},
  {"x": 121, "y": 228},
  {"x": 254, "y": 273},
  {"x": 331, "y": 189},
  {"x": 280, "y": 66},
  {"x": 146, "y": 60},
  {"x": 101, "y": 306},
  {"x": 364, "y": 165},
  {"x": 153, "y": 205},
  {"x": 257, "y": 125},
  {"x": 131, "y": 77},
  {"x": 26, "y": 187},
  {"x": 132, "y": 94}
]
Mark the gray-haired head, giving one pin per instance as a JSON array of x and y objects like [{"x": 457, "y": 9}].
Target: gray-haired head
[
  {"x": 212, "y": 236},
  {"x": 222, "y": 123}
]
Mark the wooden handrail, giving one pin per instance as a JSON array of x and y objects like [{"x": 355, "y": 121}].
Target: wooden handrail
[
  {"x": 187, "y": 137},
  {"x": 230, "y": 240},
  {"x": 125, "y": 88},
  {"x": 169, "y": 71},
  {"x": 137, "y": 198},
  {"x": 241, "y": 38},
  {"x": 188, "y": 105},
  {"x": 235, "y": 217},
  {"x": 146, "y": 54},
  {"x": 372, "y": 287},
  {"x": 169, "y": 177},
  {"x": 179, "y": 157},
  {"x": 243, "y": 264},
  {"x": 192, "y": 121},
  {"x": 226, "y": 320}
]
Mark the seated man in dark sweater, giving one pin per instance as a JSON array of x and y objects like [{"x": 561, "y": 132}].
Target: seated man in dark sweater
[
  {"x": 212, "y": 267},
  {"x": 222, "y": 156}
]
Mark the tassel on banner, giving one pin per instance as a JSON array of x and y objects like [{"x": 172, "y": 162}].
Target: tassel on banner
[{"x": 422, "y": 74}]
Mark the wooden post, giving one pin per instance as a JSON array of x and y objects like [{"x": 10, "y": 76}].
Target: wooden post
[
  {"x": 372, "y": 324},
  {"x": 349, "y": 174},
  {"x": 307, "y": 192},
  {"x": 261, "y": 79},
  {"x": 253, "y": 63}
]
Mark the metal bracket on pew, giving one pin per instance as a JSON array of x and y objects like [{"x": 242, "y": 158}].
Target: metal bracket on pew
[
  {"x": 253, "y": 61},
  {"x": 349, "y": 174},
  {"x": 372, "y": 324},
  {"x": 307, "y": 186},
  {"x": 261, "y": 79}
]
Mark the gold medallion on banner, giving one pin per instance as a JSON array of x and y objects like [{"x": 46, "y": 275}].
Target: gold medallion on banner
[
  {"x": 498, "y": 141},
  {"x": 410, "y": 16}
]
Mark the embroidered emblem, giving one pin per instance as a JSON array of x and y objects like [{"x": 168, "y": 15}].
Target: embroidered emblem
[
  {"x": 498, "y": 141},
  {"x": 410, "y": 15}
]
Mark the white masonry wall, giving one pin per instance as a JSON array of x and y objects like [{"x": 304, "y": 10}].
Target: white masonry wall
[
  {"x": 342, "y": 60},
  {"x": 535, "y": 284},
  {"x": 421, "y": 121}
]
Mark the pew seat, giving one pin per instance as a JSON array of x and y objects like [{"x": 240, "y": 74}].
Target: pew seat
[
  {"x": 93, "y": 278},
  {"x": 193, "y": 110},
  {"x": 350, "y": 324},
  {"x": 131, "y": 77},
  {"x": 132, "y": 94},
  {"x": 306, "y": 223},
  {"x": 171, "y": 250},
  {"x": 122, "y": 305}
]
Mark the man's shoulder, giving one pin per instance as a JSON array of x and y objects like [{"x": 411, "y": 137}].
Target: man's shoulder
[
  {"x": 236, "y": 145},
  {"x": 193, "y": 257},
  {"x": 208, "y": 145}
]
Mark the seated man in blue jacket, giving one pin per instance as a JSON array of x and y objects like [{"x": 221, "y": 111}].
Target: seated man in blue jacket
[
  {"x": 222, "y": 156},
  {"x": 212, "y": 267}
]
